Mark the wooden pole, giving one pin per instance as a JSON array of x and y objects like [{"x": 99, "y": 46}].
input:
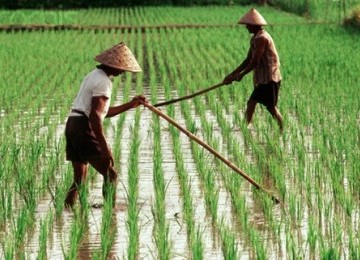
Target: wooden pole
[
  {"x": 209, "y": 148},
  {"x": 189, "y": 96}
]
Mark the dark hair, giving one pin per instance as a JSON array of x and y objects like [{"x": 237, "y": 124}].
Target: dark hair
[
  {"x": 103, "y": 66},
  {"x": 110, "y": 70}
]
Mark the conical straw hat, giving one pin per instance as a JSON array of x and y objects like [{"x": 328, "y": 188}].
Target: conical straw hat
[
  {"x": 120, "y": 57},
  {"x": 253, "y": 17}
]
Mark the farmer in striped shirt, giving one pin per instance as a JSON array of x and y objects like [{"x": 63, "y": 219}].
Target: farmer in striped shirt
[
  {"x": 85, "y": 139},
  {"x": 263, "y": 59}
]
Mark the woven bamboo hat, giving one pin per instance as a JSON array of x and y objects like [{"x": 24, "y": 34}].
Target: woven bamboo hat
[
  {"x": 119, "y": 57},
  {"x": 253, "y": 17}
]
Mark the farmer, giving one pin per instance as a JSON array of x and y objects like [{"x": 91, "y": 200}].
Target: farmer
[
  {"x": 85, "y": 140},
  {"x": 263, "y": 59}
]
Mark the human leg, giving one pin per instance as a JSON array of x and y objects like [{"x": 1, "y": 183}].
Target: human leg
[
  {"x": 274, "y": 111},
  {"x": 80, "y": 172},
  {"x": 250, "y": 109},
  {"x": 110, "y": 177}
]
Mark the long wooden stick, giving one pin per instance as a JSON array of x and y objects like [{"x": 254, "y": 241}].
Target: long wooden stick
[
  {"x": 209, "y": 148},
  {"x": 189, "y": 96}
]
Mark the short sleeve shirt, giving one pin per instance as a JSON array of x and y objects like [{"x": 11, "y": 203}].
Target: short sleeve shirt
[{"x": 95, "y": 84}]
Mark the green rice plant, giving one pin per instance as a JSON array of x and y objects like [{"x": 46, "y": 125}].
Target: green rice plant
[
  {"x": 292, "y": 249},
  {"x": 133, "y": 216},
  {"x": 230, "y": 249},
  {"x": 312, "y": 235},
  {"x": 197, "y": 246},
  {"x": 258, "y": 247},
  {"x": 133, "y": 213},
  {"x": 313, "y": 165},
  {"x": 161, "y": 235},
  {"x": 108, "y": 227},
  {"x": 83, "y": 196},
  {"x": 194, "y": 241},
  {"x": 354, "y": 249},
  {"x": 61, "y": 189},
  {"x": 43, "y": 237},
  {"x": 19, "y": 227},
  {"x": 330, "y": 254},
  {"x": 78, "y": 228},
  {"x": 8, "y": 249},
  {"x": 6, "y": 204}
]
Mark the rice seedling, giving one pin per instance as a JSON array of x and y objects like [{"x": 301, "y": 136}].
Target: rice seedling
[
  {"x": 230, "y": 248},
  {"x": 108, "y": 229},
  {"x": 43, "y": 237},
  {"x": 77, "y": 231},
  {"x": 161, "y": 235},
  {"x": 313, "y": 165}
]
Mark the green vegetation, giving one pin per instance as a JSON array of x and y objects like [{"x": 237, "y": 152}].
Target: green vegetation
[{"x": 313, "y": 166}]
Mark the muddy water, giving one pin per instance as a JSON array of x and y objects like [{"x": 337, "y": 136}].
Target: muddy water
[{"x": 59, "y": 229}]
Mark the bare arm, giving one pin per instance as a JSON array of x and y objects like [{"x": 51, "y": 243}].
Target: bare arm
[
  {"x": 97, "y": 106},
  {"x": 250, "y": 63},
  {"x": 231, "y": 76},
  {"x": 116, "y": 110},
  {"x": 260, "y": 45}
]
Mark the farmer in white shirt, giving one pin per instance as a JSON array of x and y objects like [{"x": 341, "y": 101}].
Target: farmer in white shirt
[
  {"x": 263, "y": 59},
  {"x": 85, "y": 140}
]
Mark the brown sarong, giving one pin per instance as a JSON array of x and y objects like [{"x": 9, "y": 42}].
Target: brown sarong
[{"x": 81, "y": 143}]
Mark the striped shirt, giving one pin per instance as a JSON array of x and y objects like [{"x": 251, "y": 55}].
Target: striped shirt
[{"x": 268, "y": 68}]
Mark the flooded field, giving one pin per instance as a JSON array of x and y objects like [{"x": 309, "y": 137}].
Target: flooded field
[{"x": 176, "y": 200}]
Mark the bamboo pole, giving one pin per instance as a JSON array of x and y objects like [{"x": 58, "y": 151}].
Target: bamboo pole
[
  {"x": 209, "y": 148},
  {"x": 189, "y": 96}
]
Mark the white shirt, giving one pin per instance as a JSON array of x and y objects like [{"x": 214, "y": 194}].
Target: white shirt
[{"x": 95, "y": 84}]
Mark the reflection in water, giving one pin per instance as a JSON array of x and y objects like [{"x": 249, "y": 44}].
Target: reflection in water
[{"x": 278, "y": 229}]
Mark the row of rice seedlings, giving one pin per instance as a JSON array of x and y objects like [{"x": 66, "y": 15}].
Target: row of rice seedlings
[
  {"x": 134, "y": 16},
  {"x": 195, "y": 242},
  {"x": 28, "y": 189},
  {"x": 45, "y": 225},
  {"x": 205, "y": 172},
  {"x": 207, "y": 177},
  {"x": 54, "y": 82},
  {"x": 78, "y": 228},
  {"x": 133, "y": 172},
  {"x": 326, "y": 165},
  {"x": 31, "y": 157},
  {"x": 164, "y": 15},
  {"x": 208, "y": 133},
  {"x": 227, "y": 237},
  {"x": 161, "y": 234},
  {"x": 29, "y": 186},
  {"x": 303, "y": 165},
  {"x": 327, "y": 150},
  {"x": 224, "y": 123},
  {"x": 194, "y": 234},
  {"x": 133, "y": 211},
  {"x": 108, "y": 229},
  {"x": 210, "y": 191},
  {"x": 239, "y": 204}
]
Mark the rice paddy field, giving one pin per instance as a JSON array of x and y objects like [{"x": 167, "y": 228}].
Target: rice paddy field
[{"x": 175, "y": 200}]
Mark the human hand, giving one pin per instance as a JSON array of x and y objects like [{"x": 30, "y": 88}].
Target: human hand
[
  {"x": 238, "y": 77},
  {"x": 138, "y": 100},
  {"x": 228, "y": 79},
  {"x": 108, "y": 157}
]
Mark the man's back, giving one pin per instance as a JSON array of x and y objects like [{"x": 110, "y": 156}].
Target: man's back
[{"x": 268, "y": 68}]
